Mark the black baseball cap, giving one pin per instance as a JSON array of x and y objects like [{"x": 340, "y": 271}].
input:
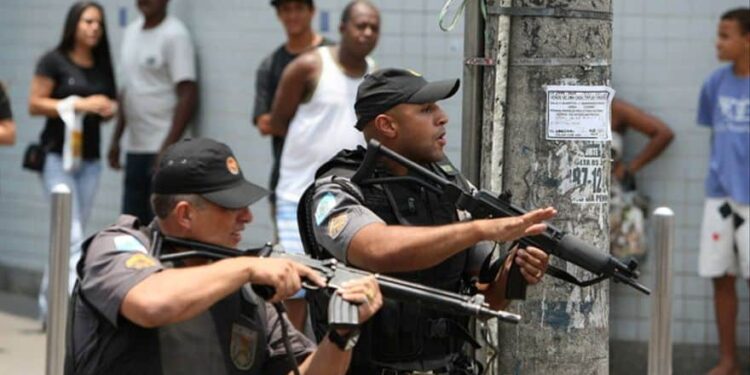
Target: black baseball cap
[
  {"x": 276, "y": 3},
  {"x": 386, "y": 88},
  {"x": 208, "y": 168}
]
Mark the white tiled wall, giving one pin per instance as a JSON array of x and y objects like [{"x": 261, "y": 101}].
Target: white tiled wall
[
  {"x": 663, "y": 50},
  {"x": 231, "y": 36}
]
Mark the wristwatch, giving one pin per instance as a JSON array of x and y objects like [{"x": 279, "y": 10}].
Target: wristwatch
[{"x": 345, "y": 342}]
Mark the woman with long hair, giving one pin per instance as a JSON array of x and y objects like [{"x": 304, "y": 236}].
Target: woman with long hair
[{"x": 74, "y": 88}]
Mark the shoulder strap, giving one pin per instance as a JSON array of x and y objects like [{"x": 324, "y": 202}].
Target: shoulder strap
[
  {"x": 344, "y": 164},
  {"x": 447, "y": 169}
]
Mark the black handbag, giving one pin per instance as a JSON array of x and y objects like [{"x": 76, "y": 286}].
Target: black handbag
[{"x": 33, "y": 157}]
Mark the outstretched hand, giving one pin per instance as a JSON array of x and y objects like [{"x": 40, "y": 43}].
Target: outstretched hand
[{"x": 512, "y": 228}]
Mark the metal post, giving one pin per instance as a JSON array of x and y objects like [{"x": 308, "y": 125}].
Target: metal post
[
  {"x": 59, "y": 252},
  {"x": 472, "y": 92},
  {"x": 495, "y": 106},
  {"x": 660, "y": 344}
]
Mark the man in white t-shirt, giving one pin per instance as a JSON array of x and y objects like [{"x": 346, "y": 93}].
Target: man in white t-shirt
[
  {"x": 157, "y": 97},
  {"x": 314, "y": 109}
]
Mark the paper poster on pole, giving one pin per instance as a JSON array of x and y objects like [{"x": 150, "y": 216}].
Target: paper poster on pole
[
  {"x": 579, "y": 113},
  {"x": 581, "y": 168}
]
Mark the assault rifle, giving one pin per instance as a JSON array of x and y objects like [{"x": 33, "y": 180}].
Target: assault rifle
[
  {"x": 341, "y": 314},
  {"x": 483, "y": 204}
]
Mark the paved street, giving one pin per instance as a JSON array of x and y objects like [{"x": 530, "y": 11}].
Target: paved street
[{"x": 22, "y": 344}]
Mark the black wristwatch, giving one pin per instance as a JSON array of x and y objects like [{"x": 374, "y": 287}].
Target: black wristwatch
[{"x": 346, "y": 342}]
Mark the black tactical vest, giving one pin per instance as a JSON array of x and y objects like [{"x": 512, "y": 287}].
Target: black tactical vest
[
  {"x": 405, "y": 335},
  {"x": 237, "y": 342}
]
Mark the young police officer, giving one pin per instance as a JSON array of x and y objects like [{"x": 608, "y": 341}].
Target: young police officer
[
  {"x": 135, "y": 316},
  {"x": 405, "y": 230}
]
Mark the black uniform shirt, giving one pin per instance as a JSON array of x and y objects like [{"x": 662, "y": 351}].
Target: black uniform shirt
[{"x": 71, "y": 79}]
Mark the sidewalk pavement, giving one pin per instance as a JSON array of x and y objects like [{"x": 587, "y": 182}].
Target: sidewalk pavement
[{"x": 22, "y": 343}]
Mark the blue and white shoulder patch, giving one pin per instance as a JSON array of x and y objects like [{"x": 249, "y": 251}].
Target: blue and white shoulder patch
[
  {"x": 128, "y": 243},
  {"x": 325, "y": 205}
]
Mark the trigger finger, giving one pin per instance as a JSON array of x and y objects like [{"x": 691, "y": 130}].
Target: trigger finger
[{"x": 310, "y": 274}]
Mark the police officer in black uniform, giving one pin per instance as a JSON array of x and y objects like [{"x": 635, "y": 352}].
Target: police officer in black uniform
[
  {"x": 407, "y": 231},
  {"x": 135, "y": 315}
]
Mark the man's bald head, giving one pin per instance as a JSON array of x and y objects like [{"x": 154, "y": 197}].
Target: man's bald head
[
  {"x": 359, "y": 28},
  {"x": 346, "y": 14}
]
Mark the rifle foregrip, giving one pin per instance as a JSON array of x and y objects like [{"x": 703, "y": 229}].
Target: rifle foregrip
[
  {"x": 515, "y": 288},
  {"x": 584, "y": 255},
  {"x": 367, "y": 165}
]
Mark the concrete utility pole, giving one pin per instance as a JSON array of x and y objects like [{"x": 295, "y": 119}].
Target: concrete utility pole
[{"x": 534, "y": 44}]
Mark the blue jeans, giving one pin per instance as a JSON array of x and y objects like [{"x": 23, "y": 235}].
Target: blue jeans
[
  {"x": 289, "y": 237},
  {"x": 136, "y": 197},
  {"x": 83, "y": 185}
]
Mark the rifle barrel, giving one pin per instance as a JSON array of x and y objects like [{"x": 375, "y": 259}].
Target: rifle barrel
[
  {"x": 406, "y": 291},
  {"x": 454, "y": 304}
]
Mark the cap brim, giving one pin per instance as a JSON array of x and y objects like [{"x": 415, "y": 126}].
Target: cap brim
[
  {"x": 434, "y": 91},
  {"x": 239, "y": 196}
]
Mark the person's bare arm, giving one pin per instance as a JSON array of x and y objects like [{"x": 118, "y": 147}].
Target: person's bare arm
[
  {"x": 175, "y": 295},
  {"x": 326, "y": 360},
  {"x": 263, "y": 98},
  {"x": 42, "y": 104},
  {"x": 393, "y": 248},
  {"x": 659, "y": 133},
  {"x": 7, "y": 132},
  {"x": 297, "y": 79},
  {"x": 187, "y": 98},
  {"x": 113, "y": 155}
]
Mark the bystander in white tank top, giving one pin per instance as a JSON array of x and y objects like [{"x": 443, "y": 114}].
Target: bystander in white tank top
[{"x": 321, "y": 128}]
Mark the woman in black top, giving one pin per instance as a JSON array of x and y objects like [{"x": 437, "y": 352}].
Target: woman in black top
[{"x": 80, "y": 66}]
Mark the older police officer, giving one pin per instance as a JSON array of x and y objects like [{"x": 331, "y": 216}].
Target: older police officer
[{"x": 133, "y": 315}]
